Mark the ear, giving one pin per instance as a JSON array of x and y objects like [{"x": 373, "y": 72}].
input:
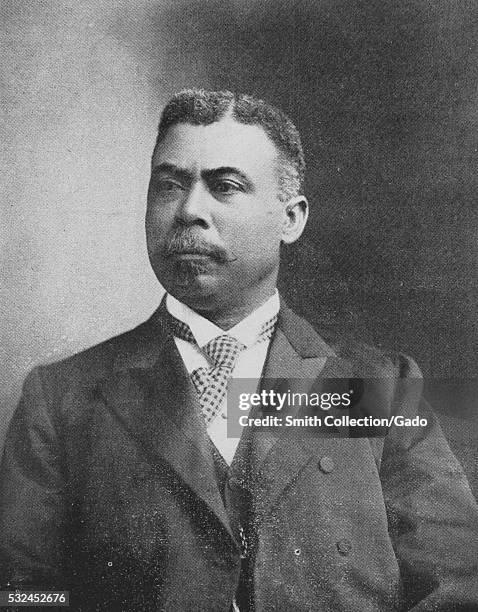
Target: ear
[{"x": 296, "y": 213}]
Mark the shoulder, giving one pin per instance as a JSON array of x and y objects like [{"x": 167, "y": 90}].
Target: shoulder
[
  {"x": 360, "y": 356},
  {"x": 372, "y": 360},
  {"x": 99, "y": 361}
]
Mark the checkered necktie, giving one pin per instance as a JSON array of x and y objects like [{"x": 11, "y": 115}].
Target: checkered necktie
[{"x": 211, "y": 383}]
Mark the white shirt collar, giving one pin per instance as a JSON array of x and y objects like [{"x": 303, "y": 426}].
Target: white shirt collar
[{"x": 246, "y": 331}]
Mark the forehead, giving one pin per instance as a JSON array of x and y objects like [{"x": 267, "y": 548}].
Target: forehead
[{"x": 224, "y": 143}]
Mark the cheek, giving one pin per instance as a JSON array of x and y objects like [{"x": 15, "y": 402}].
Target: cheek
[
  {"x": 155, "y": 233},
  {"x": 151, "y": 224},
  {"x": 255, "y": 237},
  {"x": 158, "y": 219},
  {"x": 268, "y": 225}
]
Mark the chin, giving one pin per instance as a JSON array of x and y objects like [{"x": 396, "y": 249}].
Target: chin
[{"x": 195, "y": 290}]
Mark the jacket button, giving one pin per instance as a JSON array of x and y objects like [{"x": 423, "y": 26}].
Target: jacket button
[
  {"x": 326, "y": 465},
  {"x": 344, "y": 547}
]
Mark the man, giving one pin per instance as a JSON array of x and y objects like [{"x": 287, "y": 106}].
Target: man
[{"x": 119, "y": 482}]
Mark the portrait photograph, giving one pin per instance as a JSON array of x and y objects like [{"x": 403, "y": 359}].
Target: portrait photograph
[{"x": 239, "y": 331}]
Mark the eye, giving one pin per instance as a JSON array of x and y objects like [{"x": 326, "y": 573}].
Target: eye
[
  {"x": 168, "y": 186},
  {"x": 227, "y": 187}
]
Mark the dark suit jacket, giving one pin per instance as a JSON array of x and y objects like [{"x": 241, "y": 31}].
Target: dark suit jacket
[{"x": 108, "y": 489}]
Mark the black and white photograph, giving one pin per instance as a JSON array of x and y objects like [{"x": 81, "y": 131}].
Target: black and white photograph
[{"x": 239, "y": 331}]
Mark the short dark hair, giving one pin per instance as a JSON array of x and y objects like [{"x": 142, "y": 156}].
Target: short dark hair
[{"x": 200, "y": 107}]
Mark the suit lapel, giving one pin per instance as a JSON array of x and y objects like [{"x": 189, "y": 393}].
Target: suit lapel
[
  {"x": 298, "y": 359},
  {"x": 157, "y": 404},
  {"x": 151, "y": 395}
]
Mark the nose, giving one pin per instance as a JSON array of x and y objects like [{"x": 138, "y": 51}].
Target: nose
[{"x": 194, "y": 207}]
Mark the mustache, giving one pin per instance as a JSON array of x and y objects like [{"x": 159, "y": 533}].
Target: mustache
[{"x": 185, "y": 241}]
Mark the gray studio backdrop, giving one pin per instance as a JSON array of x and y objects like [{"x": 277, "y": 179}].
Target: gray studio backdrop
[{"x": 385, "y": 95}]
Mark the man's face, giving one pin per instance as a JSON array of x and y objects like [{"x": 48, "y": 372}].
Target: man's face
[{"x": 214, "y": 219}]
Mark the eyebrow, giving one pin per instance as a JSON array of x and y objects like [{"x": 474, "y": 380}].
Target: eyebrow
[
  {"x": 172, "y": 169},
  {"x": 207, "y": 174}
]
